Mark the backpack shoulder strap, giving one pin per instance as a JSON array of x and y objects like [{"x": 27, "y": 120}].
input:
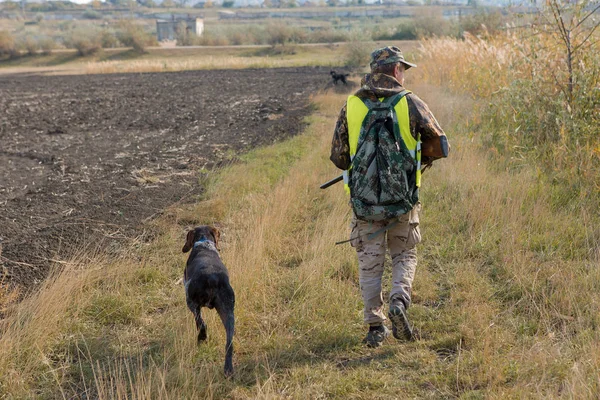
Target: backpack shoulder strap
[
  {"x": 395, "y": 99},
  {"x": 387, "y": 103},
  {"x": 370, "y": 104},
  {"x": 375, "y": 106}
]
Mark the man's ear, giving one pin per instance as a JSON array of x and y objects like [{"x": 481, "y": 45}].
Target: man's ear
[
  {"x": 216, "y": 235},
  {"x": 189, "y": 241}
]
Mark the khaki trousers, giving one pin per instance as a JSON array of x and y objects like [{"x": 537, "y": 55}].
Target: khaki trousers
[{"x": 401, "y": 240}]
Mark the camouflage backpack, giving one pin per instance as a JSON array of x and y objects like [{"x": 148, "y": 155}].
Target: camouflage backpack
[{"x": 382, "y": 177}]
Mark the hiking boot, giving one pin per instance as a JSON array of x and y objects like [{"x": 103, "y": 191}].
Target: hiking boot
[
  {"x": 401, "y": 328},
  {"x": 376, "y": 335}
]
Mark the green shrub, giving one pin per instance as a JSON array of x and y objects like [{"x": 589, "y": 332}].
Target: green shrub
[
  {"x": 236, "y": 35},
  {"x": 482, "y": 22},
  {"x": 237, "y": 38},
  {"x": 278, "y": 33},
  {"x": 108, "y": 40},
  {"x": 405, "y": 31},
  {"x": 91, "y": 14},
  {"x": 211, "y": 39},
  {"x": 66, "y": 26},
  {"x": 10, "y": 5},
  {"x": 427, "y": 26},
  {"x": 133, "y": 35},
  {"x": 30, "y": 46},
  {"x": 7, "y": 44},
  {"x": 47, "y": 45},
  {"x": 328, "y": 35},
  {"x": 85, "y": 41},
  {"x": 50, "y": 6},
  {"x": 357, "y": 54},
  {"x": 86, "y": 47},
  {"x": 255, "y": 34},
  {"x": 184, "y": 37},
  {"x": 298, "y": 35}
]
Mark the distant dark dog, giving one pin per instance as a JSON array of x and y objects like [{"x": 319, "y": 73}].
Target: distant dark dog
[
  {"x": 338, "y": 77},
  {"x": 207, "y": 285}
]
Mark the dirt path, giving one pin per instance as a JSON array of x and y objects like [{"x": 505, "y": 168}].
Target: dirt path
[{"x": 88, "y": 159}]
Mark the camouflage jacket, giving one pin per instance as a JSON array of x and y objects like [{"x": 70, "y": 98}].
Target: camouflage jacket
[{"x": 373, "y": 87}]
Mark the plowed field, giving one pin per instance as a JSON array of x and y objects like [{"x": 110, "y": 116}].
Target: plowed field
[{"x": 87, "y": 160}]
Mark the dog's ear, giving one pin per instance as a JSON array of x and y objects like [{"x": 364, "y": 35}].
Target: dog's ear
[
  {"x": 189, "y": 241},
  {"x": 216, "y": 235}
]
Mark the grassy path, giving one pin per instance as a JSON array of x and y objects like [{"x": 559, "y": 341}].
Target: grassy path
[{"x": 496, "y": 292}]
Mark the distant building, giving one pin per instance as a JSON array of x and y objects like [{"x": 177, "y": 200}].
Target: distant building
[{"x": 167, "y": 29}]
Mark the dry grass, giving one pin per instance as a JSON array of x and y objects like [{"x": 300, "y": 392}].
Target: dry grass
[
  {"x": 179, "y": 59},
  {"x": 110, "y": 67},
  {"x": 483, "y": 65},
  {"x": 161, "y": 61},
  {"x": 527, "y": 114},
  {"x": 231, "y": 57},
  {"x": 506, "y": 293}
]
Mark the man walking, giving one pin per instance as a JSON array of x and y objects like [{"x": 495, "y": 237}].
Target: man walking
[{"x": 383, "y": 136}]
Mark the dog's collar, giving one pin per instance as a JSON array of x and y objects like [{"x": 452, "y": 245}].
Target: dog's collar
[
  {"x": 204, "y": 242},
  {"x": 199, "y": 242}
]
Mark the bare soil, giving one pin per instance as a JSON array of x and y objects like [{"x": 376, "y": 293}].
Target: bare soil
[{"x": 90, "y": 159}]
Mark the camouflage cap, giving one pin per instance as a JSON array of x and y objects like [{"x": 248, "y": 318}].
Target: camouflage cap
[{"x": 388, "y": 55}]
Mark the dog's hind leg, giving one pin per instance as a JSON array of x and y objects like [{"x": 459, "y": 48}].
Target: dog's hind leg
[
  {"x": 200, "y": 325},
  {"x": 229, "y": 323},
  {"x": 225, "y": 310}
]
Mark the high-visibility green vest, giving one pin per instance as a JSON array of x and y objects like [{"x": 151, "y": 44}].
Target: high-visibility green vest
[{"x": 356, "y": 111}]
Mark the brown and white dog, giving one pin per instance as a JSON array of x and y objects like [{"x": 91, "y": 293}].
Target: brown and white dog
[{"x": 206, "y": 284}]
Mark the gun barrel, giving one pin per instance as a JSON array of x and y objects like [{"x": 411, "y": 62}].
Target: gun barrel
[{"x": 331, "y": 182}]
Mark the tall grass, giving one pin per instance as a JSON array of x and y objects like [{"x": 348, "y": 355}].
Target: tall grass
[
  {"x": 535, "y": 218},
  {"x": 528, "y": 113}
]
